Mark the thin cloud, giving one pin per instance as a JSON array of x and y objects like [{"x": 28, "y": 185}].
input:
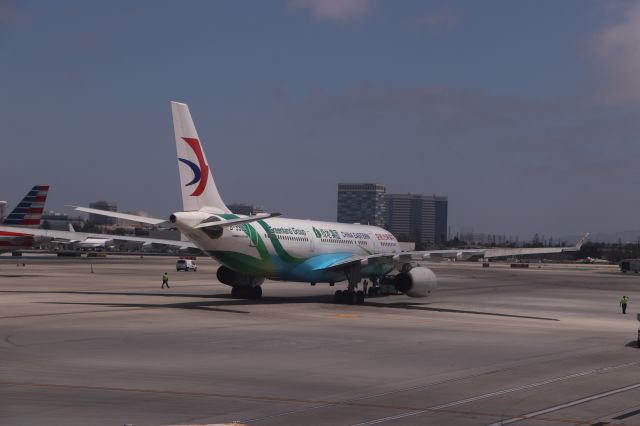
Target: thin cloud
[
  {"x": 437, "y": 20},
  {"x": 617, "y": 49},
  {"x": 552, "y": 151},
  {"x": 7, "y": 11},
  {"x": 334, "y": 10}
]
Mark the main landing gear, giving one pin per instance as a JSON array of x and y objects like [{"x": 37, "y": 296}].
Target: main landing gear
[
  {"x": 351, "y": 296},
  {"x": 253, "y": 293},
  {"x": 347, "y": 297}
]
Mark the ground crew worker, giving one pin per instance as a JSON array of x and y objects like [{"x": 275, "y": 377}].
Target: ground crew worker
[
  {"x": 623, "y": 303},
  {"x": 165, "y": 280}
]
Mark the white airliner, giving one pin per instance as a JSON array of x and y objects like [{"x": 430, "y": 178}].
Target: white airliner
[
  {"x": 252, "y": 248},
  {"x": 87, "y": 243}
]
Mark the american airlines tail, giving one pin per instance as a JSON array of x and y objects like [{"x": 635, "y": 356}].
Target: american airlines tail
[
  {"x": 199, "y": 191},
  {"x": 28, "y": 212}
]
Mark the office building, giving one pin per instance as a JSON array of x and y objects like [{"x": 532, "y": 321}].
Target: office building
[
  {"x": 361, "y": 203},
  {"x": 418, "y": 218}
]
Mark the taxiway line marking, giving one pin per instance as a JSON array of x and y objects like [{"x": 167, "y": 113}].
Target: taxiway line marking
[
  {"x": 355, "y": 401},
  {"x": 273, "y": 399},
  {"x": 70, "y": 313},
  {"x": 497, "y": 393},
  {"x": 565, "y": 405},
  {"x": 410, "y": 411}
]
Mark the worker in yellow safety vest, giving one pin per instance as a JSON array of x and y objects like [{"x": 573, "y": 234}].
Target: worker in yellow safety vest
[
  {"x": 623, "y": 304},
  {"x": 165, "y": 280}
]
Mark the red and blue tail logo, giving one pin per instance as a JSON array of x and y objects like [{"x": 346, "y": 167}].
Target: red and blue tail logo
[
  {"x": 29, "y": 211},
  {"x": 200, "y": 170}
]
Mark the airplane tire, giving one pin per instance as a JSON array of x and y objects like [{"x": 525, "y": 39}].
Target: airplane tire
[
  {"x": 235, "y": 292},
  {"x": 352, "y": 298},
  {"x": 360, "y": 297},
  {"x": 337, "y": 296},
  {"x": 255, "y": 292}
]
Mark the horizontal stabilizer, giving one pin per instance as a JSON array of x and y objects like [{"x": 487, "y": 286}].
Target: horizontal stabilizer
[
  {"x": 223, "y": 223},
  {"x": 125, "y": 216}
]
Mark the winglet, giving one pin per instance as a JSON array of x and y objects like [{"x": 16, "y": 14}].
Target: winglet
[{"x": 581, "y": 241}]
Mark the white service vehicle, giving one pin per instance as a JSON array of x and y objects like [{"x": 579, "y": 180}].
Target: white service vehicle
[
  {"x": 630, "y": 265},
  {"x": 186, "y": 265}
]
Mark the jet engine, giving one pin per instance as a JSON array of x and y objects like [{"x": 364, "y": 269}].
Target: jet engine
[
  {"x": 235, "y": 279},
  {"x": 417, "y": 282}
]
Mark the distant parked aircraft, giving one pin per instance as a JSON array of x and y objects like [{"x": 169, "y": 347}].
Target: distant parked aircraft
[{"x": 28, "y": 213}]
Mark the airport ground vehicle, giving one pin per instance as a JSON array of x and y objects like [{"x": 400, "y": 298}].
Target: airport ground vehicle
[
  {"x": 630, "y": 265},
  {"x": 186, "y": 265}
]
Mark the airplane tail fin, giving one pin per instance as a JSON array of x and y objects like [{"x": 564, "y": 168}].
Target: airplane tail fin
[
  {"x": 196, "y": 180},
  {"x": 28, "y": 212}
]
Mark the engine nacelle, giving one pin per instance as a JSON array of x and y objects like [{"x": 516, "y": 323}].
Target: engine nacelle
[
  {"x": 235, "y": 279},
  {"x": 417, "y": 282}
]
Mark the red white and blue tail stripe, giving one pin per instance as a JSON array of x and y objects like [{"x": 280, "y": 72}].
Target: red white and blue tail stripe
[{"x": 29, "y": 212}]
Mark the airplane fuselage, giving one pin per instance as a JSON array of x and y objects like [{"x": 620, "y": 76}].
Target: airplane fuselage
[
  {"x": 292, "y": 249},
  {"x": 10, "y": 241}
]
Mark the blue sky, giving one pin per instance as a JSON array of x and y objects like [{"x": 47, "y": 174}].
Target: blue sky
[{"x": 524, "y": 113}]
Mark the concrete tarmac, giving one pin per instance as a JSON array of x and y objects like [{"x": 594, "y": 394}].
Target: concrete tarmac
[{"x": 543, "y": 346}]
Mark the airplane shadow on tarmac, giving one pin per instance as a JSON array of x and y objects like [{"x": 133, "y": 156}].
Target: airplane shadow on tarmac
[
  {"x": 422, "y": 307},
  {"x": 225, "y": 303}
]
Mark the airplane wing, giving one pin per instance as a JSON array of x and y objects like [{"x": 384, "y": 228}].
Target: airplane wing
[
  {"x": 496, "y": 252},
  {"x": 81, "y": 236},
  {"x": 436, "y": 254},
  {"x": 365, "y": 260}
]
